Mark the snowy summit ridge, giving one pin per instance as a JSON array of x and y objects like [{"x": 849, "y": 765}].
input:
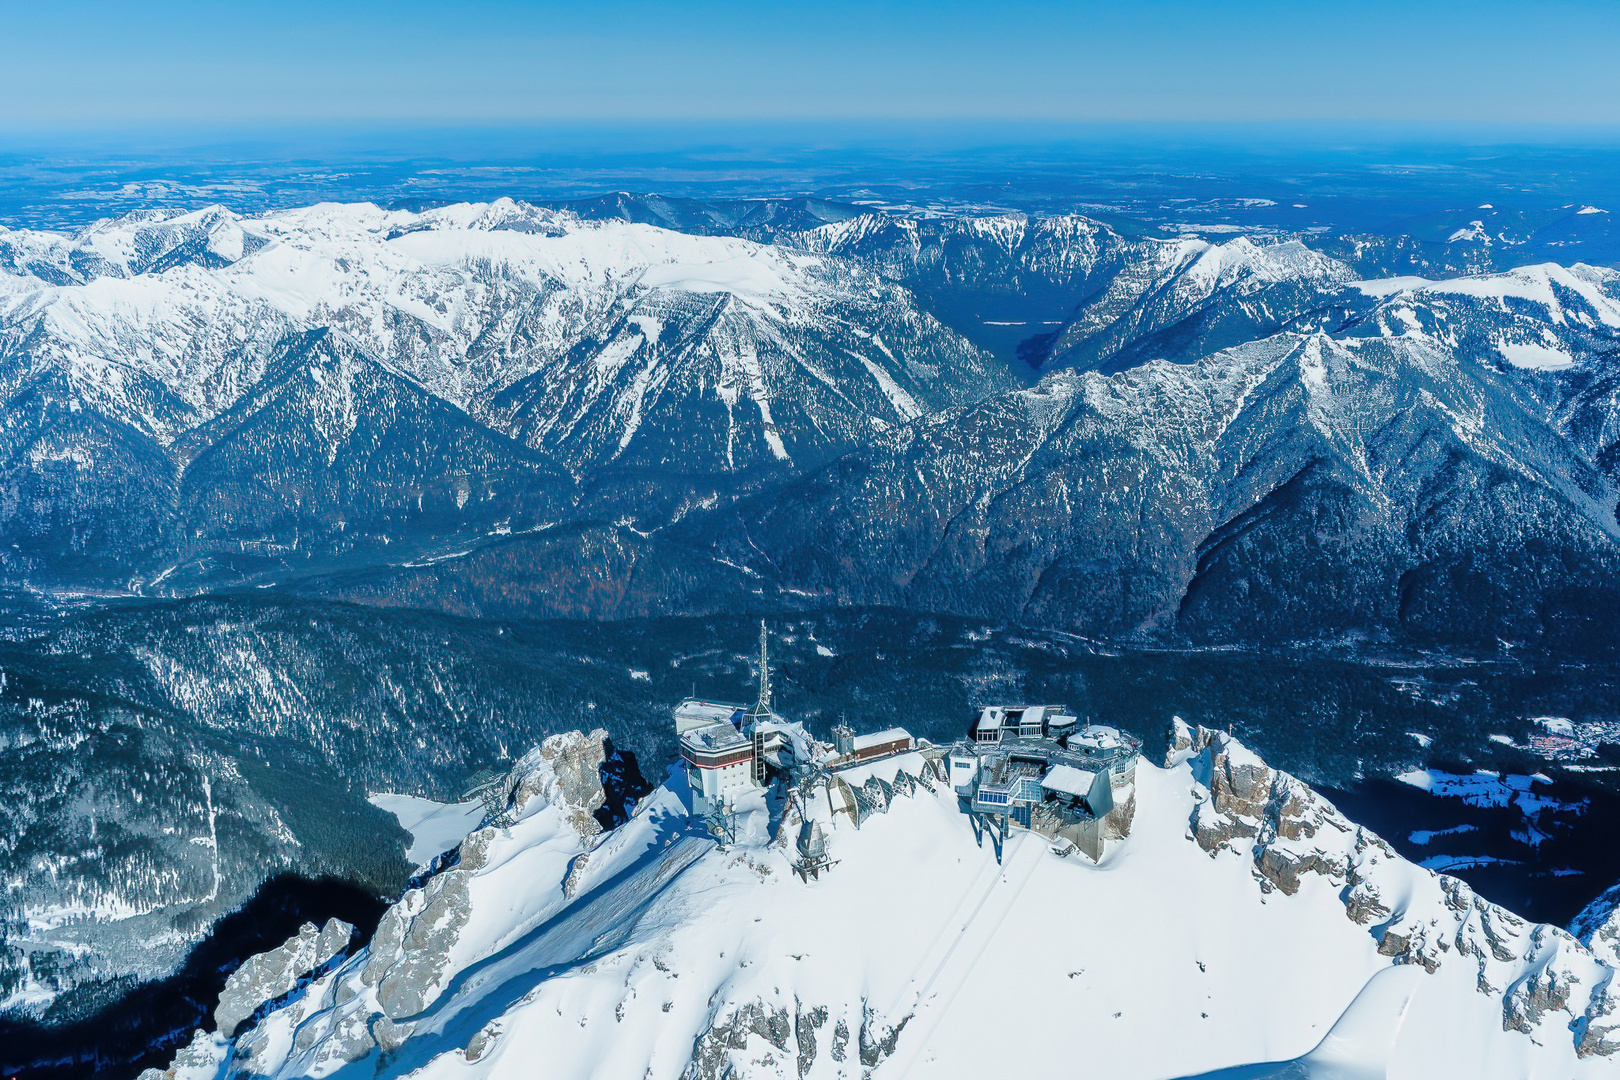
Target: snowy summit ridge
[{"x": 1244, "y": 921}]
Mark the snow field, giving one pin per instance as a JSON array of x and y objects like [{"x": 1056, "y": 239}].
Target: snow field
[{"x": 648, "y": 953}]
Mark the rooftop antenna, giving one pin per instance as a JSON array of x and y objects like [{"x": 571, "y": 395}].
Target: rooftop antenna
[{"x": 762, "y": 707}]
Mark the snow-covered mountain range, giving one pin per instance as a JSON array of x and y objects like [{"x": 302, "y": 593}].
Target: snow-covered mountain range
[
  {"x": 639, "y": 407},
  {"x": 324, "y": 384},
  {"x": 1297, "y": 486},
  {"x": 1243, "y": 924},
  {"x": 502, "y": 409}
]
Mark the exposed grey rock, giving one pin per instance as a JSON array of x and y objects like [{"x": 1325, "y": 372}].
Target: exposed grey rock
[
  {"x": 1546, "y": 989},
  {"x": 1597, "y": 1031},
  {"x": 351, "y": 1039},
  {"x": 1537, "y": 971},
  {"x": 481, "y": 1043},
  {"x": 576, "y": 873},
  {"x": 1362, "y": 901},
  {"x": 200, "y": 1057},
  {"x": 806, "y": 1022},
  {"x": 1598, "y": 926},
  {"x": 877, "y": 1041},
  {"x": 574, "y": 779},
  {"x": 412, "y": 944},
  {"x": 268, "y": 975},
  {"x": 711, "y": 1053},
  {"x": 1248, "y": 799},
  {"x": 389, "y": 1035},
  {"x": 1282, "y": 869}
]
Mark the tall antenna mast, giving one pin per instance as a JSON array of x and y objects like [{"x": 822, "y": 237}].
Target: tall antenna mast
[{"x": 763, "y": 707}]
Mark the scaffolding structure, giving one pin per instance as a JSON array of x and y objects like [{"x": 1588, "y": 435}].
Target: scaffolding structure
[
  {"x": 495, "y": 791},
  {"x": 812, "y": 846},
  {"x": 722, "y": 824}
]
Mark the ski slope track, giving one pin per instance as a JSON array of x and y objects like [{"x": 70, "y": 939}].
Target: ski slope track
[{"x": 1243, "y": 928}]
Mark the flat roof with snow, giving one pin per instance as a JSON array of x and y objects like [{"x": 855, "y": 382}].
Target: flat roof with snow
[
  {"x": 1068, "y": 780},
  {"x": 881, "y": 738},
  {"x": 1098, "y": 737},
  {"x": 721, "y": 736},
  {"x": 693, "y": 713}
]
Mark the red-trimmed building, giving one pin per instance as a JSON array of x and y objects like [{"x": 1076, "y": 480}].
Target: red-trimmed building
[{"x": 720, "y": 759}]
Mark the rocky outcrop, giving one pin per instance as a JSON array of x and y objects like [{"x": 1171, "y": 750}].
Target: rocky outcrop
[
  {"x": 1241, "y": 798},
  {"x": 840, "y": 1046},
  {"x": 269, "y": 975},
  {"x": 1597, "y": 1031},
  {"x": 787, "y": 1037},
  {"x": 1548, "y": 981},
  {"x": 369, "y": 1002},
  {"x": 566, "y": 771},
  {"x": 413, "y": 941},
  {"x": 806, "y": 1023},
  {"x": 407, "y": 959},
  {"x": 877, "y": 1040},
  {"x": 197, "y": 1060},
  {"x": 711, "y": 1054},
  {"x": 1598, "y": 926},
  {"x": 405, "y": 967},
  {"x": 1116, "y": 824},
  {"x": 1547, "y": 989}
]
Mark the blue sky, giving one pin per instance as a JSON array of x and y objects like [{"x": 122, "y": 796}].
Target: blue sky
[{"x": 100, "y": 65}]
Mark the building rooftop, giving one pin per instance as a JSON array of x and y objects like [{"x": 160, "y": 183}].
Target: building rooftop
[
  {"x": 885, "y": 769},
  {"x": 878, "y": 738},
  {"x": 1068, "y": 780},
  {"x": 1081, "y": 755},
  {"x": 721, "y": 736},
  {"x": 1098, "y": 737},
  {"x": 693, "y": 713}
]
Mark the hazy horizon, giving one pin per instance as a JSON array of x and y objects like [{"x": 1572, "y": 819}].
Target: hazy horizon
[{"x": 96, "y": 65}]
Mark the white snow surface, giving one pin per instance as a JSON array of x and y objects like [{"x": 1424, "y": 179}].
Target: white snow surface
[
  {"x": 465, "y": 300},
  {"x": 1528, "y": 354},
  {"x": 435, "y": 827},
  {"x": 1548, "y": 285},
  {"x": 1391, "y": 285},
  {"x": 648, "y": 952},
  {"x": 1486, "y": 788}
]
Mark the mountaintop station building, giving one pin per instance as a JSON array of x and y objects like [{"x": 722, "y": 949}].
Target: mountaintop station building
[
  {"x": 730, "y": 750},
  {"x": 1035, "y": 767}
]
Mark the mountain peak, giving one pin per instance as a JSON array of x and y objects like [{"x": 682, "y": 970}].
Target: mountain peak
[{"x": 653, "y": 951}]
